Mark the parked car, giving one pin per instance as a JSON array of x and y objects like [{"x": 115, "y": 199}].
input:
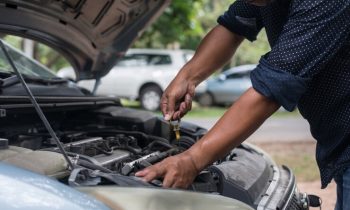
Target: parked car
[
  {"x": 227, "y": 87},
  {"x": 106, "y": 143},
  {"x": 142, "y": 74}
]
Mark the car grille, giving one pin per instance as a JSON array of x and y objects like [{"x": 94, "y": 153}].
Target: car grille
[{"x": 295, "y": 203}]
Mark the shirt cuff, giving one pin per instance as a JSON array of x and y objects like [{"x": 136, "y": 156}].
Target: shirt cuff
[
  {"x": 237, "y": 27},
  {"x": 278, "y": 85}
]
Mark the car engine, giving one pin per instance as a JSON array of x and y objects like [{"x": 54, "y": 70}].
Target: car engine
[{"x": 108, "y": 145}]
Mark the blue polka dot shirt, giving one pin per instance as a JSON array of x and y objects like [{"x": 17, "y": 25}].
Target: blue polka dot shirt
[{"x": 308, "y": 67}]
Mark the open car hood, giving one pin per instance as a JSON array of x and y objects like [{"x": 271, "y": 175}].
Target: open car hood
[{"x": 91, "y": 34}]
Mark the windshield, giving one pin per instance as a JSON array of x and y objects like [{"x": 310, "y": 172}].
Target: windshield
[{"x": 25, "y": 65}]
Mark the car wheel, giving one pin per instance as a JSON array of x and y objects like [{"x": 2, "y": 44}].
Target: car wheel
[
  {"x": 150, "y": 98},
  {"x": 206, "y": 99}
]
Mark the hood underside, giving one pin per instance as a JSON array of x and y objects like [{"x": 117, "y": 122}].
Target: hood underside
[{"x": 91, "y": 34}]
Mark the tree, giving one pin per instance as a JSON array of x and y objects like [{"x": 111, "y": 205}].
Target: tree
[
  {"x": 185, "y": 23},
  {"x": 40, "y": 52},
  {"x": 177, "y": 25}
]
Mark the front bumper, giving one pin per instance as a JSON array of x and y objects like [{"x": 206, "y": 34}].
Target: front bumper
[{"x": 282, "y": 193}]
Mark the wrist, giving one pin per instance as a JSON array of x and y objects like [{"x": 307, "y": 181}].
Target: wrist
[
  {"x": 197, "y": 158},
  {"x": 192, "y": 161},
  {"x": 189, "y": 74}
]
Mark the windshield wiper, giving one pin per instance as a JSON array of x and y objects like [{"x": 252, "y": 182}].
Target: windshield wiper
[
  {"x": 9, "y": 81},
  {"x": 37, "y": 107},
  {"x": 13, "y": 79},
  {"x": 45, "y": 81}
]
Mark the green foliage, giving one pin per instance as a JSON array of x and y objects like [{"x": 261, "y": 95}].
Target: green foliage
[
  {"x": 42, "y": 53},
  {"x": 250, "y": 52},
  {"x": 178, "y": 24},
  {"x": 185, "y": 23}
]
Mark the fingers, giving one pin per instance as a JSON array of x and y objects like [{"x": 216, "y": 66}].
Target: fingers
[
  {"x": 169, "y": 180},
  {"x": 184, "y": 107},
  {"x": 154, "y": 172},
  {"x": 168, "y": 106},
  {"x": 178, "y": 172},
  {"x": 175, "y": 103},
  {"x": 164, "y": 105},
  {"x": 188, "y": 101},
  {"x": 151, "y": 173}
]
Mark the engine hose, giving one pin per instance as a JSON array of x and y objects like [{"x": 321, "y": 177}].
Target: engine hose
[{"x": 157, "y": 142}]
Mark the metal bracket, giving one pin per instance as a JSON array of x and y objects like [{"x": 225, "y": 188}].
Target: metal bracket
[{"x": 83, "y": 177}]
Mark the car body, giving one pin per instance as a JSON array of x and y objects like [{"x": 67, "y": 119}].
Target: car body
[
  {"x": 150, "y": 70},
  {"x": 227, "y": 87},
  {"x": 105, "y": 142}
]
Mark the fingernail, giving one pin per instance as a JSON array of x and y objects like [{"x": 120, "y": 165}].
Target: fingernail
[{"x": 167, "y": 117}]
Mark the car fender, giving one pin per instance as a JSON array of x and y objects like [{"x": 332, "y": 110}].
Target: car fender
[
  {"x": 22, "y": 189},
  {"x": 161, "y": 199}
]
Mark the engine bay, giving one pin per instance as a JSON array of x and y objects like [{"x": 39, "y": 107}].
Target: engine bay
[
  {"x": 109, "y": 145},
  {"x": 109, "y": 151}
]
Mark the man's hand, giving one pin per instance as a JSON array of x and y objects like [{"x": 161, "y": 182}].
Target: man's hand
[
  {"x": 178, "y": 171},
  {"x": 214, "y": 51},
  {"x": 177, "y": 98}
]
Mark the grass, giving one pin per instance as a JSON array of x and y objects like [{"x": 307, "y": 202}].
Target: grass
[
  {"x": 298, "y": 156},
  {"x": 130, "y": 103},
  {"x": 303, "y": 166},
  {"x": 206, "y": 112},
  {"x": 215, "y": 112}
]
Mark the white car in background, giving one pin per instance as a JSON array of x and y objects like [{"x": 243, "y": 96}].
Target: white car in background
[{"x": 142, "y": 74}]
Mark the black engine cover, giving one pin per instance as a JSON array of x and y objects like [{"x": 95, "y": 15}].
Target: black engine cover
[{"x": 244, "y": 176}]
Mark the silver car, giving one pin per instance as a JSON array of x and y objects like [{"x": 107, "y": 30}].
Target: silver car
[
  {"x": 227, "y": 87},
  {"x": 150, "y": 70}
]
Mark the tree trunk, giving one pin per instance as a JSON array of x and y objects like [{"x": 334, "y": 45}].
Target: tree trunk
[
  {"x": 52, "y": 60},
  {"x": 28, "y": 47},
  {"x": 36, "y": 51}
]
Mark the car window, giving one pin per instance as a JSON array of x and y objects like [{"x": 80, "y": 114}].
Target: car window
[
  {"x": 132, "y": 60},
  {"x": 239, "y": 75},
  {"x": 24, "y": 64}
]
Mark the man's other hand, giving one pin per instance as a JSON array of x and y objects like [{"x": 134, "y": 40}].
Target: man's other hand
[{"x": 178, "y": 171}]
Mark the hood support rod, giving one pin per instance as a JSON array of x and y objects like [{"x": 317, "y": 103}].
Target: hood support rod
[{"x": 36, "y": 106}]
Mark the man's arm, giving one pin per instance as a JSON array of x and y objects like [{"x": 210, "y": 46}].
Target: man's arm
[
  {"x": 215, "y": 50},
  {"x": 237, "y": 124},
  {"x": 240, "y": 121}
]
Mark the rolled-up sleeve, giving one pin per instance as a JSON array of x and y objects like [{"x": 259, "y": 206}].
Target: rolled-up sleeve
[
  {"x": 243, "y": 19},
  {"x": 312, "y": 36}
]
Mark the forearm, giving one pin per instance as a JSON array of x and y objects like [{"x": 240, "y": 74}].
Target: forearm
[
  {"x": 237, "y": 124},
  {"x": 215, "y": 50}
]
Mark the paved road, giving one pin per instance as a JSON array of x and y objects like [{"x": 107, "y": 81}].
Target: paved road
[{"x": 286, "y": 129}]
